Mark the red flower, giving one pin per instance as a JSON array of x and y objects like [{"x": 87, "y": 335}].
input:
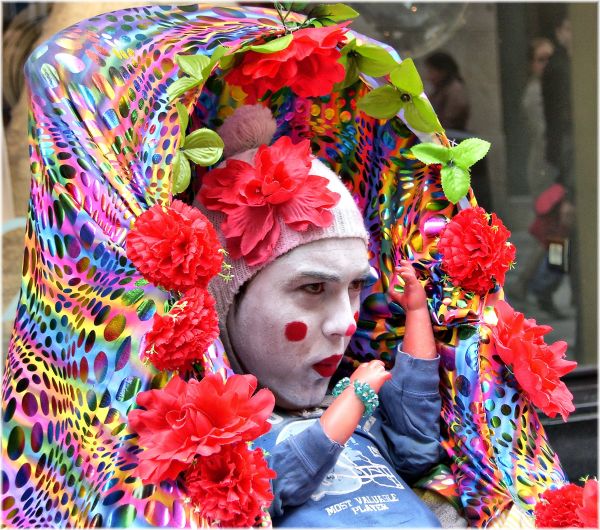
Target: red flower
[
  {"x": 476, "y": 253},
  {"x": 231, "y": 487},
  {"x": 558, "y": 508},
  {"x": 176, "y": 247},
  {"x": 183, "y": 335},
  {"x": 309, "y": 65},
  {"x": 537, "y": 366},
  {"x": 186, "y": 419},
  {"x": 257, "y": 200},
  {"x": 588, "y": 513}
]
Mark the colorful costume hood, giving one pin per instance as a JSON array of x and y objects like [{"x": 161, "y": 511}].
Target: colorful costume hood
[{"x": 103, "y": 136}]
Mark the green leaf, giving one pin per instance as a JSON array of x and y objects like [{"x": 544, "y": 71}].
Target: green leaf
[
  {"x": 430, "y": 153},
  {"x": 182, "y": 173},
  {"x": 469, "y": 151},
  {"x": 383, "y": 102},
  {"x": 215, "y": 57},
  {"x": 406, "y": 78},
  {"x": 193, "y": 65},
  {"x": 419, "y": 114},
  {"x": 181, "y": 86},
  {"x": 203, "y": 147},
  {"x": 335, "y": 12},
  {"x": 350, "y": 64},
  {"x": 455, "y": 183},
  {"x": 295, "y": 6},
  {"x": 374, "y": 60},
  {"x": 227, "y": 61},
  {"x": 183, "y": 119},
  {"x": 275, "y": 45},
  {"x": 352, "y": 76},
  {"x": 349, "y": 46}
]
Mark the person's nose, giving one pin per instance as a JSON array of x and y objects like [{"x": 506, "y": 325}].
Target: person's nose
[{"x": 340, "y": 319}]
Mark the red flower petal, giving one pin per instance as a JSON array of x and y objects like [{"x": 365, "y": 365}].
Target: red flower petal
[
  {"x": 536, "y": 365},
  {"x": 231, "y": 487},
  {"x": 185, "y": 419},
  {"x": 588, "y": 513},
  {"x": 475, "y": 252},
  {"x": 311, "y": 56},
  {"x": 280, "y": 190},
  {"x": 175, "y": 247},
  {"x": 557, "y": 508},
  {"x": 182, "y": 336}
]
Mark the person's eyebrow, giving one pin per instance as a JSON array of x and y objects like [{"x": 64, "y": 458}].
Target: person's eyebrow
[
  {"x": 317, "y": 275},
  {"x": 323, "y": 276}
]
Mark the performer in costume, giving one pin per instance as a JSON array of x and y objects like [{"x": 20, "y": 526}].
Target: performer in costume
[
  {"x": 105, "y": 138},
  {"x": 315, "y": 273}
]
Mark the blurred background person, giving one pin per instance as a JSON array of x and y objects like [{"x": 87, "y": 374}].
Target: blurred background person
[
  {"x": 556, "y": 98},
  {"x": 560, "y": 148},
  {"x": 539, "y": 177},
  {"x": 447, "y": 91},
  {"x": 552, "y": 226}
]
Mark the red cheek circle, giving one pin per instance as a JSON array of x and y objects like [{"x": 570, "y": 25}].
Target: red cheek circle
[
  {"x": 351, "y": 329},
  {"x": 356, "y": 317},
  {"x": 295, "y": 331}
]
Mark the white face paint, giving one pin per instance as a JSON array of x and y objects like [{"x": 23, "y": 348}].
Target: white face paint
[{"x": 295, "y": 319}]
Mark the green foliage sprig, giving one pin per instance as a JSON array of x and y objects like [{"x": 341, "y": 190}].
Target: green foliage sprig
[
  {"x": 317, "y": 15},
  {"x": 404, "y": 93},
  {"x": 368, "y": 59},
  {"x": 197, "y": 68},
  {"x": 456, "y": 162},
  {"x": 203, "y": 147}
]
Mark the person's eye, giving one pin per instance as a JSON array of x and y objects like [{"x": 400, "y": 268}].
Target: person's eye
[
  {"x": 357, "y": 285},
  {"x": 313, "y": 288}
]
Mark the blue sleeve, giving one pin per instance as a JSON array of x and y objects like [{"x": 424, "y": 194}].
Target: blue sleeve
[
  {"x": 301, "y": 463},
  {"x": 410, "y": 415}
]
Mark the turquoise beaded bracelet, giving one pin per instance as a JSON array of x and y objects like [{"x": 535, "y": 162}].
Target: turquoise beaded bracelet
[{"x": 363, "y": 391}]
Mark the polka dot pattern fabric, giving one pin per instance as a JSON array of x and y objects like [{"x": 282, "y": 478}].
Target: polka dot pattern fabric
[{"x": 102, "y": 138}]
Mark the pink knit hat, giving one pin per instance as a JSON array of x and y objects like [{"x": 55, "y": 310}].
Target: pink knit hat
[{"x": 306, "y": 202}]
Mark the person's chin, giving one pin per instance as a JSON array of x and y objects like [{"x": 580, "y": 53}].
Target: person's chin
[{"x": 310, "y": 397}]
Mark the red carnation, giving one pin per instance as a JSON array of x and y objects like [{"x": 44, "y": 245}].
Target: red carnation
[
  {"x": 557, "y": 508},
  {"x": 256, "y": 200},
  {"x": 588, "y": 513},
  {"x": 183, "y": 335},
  {"x": 537, "y": 366},
  {"x": 475, "y": 252},
  {"x": 231, "y": 488},
  {"x": 196, "y": 418},
  {"x": 309, "y": 65},
  {"x": 175, "y": 247}
]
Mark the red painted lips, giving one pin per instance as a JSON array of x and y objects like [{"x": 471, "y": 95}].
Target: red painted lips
[{"x": 327, "y": 367}]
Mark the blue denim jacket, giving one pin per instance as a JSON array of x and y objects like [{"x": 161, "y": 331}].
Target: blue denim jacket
[{"x": 364, "y": 483}]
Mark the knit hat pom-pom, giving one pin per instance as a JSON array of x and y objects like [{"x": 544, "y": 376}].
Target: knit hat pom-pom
[{"x": 247, "y": 128}]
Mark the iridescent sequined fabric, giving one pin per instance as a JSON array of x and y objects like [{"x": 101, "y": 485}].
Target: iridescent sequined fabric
[{"x": 102, "y": 136}]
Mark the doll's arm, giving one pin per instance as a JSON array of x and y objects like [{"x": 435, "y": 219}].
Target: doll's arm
[
  {"x": 301, "y": 462},
  {"x": 418, "y": 335},
  {"x": 344, "y": 414},
  {"x": 410, "y": 402},
  {"x": 409, "y": 415}
]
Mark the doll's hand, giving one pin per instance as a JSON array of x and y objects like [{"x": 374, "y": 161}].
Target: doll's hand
[
  {"x": 411, "y": 295},
  {"x": 344, "y": 414},
  {"x": 373, "y": 373}
]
